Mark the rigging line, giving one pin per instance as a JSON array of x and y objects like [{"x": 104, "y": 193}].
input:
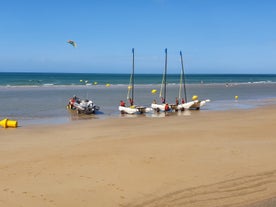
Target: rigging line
[
  {"x": 184, "y": 83},
  {"x": 162, "y": 84},
  {"x": 180, "y": 85},
  {"x": 164, "y": 80},
  {"x": 131, "y": 80},
  {"x": 129, "y": 87}
]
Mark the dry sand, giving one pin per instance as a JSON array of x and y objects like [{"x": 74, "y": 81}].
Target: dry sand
[{"x": 207, "y": 159}]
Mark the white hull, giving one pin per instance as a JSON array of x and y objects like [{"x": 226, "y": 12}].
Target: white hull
[
  {"x": 185, "y": 105},
  {"x": 127, "y": 110},
  {"x": 159, "y": 107},
  {"x": 134, "y": 110},
  {"x": 198, "y": 104},
  {"x": 144, "y": 109}
]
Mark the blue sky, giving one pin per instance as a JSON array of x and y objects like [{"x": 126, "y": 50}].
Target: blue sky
[{"x": 215, "y": 36}]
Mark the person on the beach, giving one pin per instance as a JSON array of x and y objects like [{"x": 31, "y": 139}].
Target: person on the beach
[
  {"x": 163, "y": 100},
  {"x": 167, "y": 108},
  {"x": 176, "y": 101},
  {"x": 183, "y": 101},
  {"x": 154, "y": 101},
  {"x": 130, "y": 102},
  {"x": 122, "y": 103}
]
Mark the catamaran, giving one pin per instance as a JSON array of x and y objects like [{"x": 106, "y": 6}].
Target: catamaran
[
  {"x": 195, "y": 103},
  {"x": 132, "y": 109},
  {"x": 182, "y": 88},
  {"x": 163, "y": 106}
]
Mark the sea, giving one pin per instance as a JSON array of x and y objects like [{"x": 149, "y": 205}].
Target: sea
[{"x": 41, "y": 98}]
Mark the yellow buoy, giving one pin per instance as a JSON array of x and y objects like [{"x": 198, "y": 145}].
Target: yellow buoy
[
  {"x": 81, "y": 80},
  {"x": 129, "y": 87},
  {"x": 5, "y": 123},
  {"x": 153, "y": 91},
  {"x": 236, "y": 97},
  {"x": 95, "y": 83},
  {"x": 107, "y": 85},
  {"x": 195, "y": 97}
]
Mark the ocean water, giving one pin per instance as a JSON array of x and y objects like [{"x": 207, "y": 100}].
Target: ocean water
[
  {"x": 48, "y": 79},
  {"x": 33, "y": 98}
]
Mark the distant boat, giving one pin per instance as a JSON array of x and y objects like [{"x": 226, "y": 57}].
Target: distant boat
[
  {"x": 132, "y": 109},
  {"x": 164, "y": 106}
]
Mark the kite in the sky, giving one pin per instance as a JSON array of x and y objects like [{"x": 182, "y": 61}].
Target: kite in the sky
[{"x": 72, "y": 43}]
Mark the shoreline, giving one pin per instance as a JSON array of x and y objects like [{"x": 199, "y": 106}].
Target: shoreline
[
  {"x": 210, "y": 159},
  {"x": 141, "y": 85}
]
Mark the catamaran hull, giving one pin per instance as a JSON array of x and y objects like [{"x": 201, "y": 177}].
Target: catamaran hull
[
  {"x": 185, "y": 105},
  {"x": 142, "y": 109},
  {"x": 160, "y": 107},
  {"x": 127, "y": 110},
  {"x": 198, "y": 104},
  {"x": 134, "y": 110}
]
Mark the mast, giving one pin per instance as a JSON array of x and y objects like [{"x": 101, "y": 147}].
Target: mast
[
  {"x": 165, "y": 77},
  {"x": 183, "y": 76},
  {"x": 132, "y": 88}
]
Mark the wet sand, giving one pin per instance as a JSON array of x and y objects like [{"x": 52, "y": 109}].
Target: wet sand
[{"x": 208, "y": 158}]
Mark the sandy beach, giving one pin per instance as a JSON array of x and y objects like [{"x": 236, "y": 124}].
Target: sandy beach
[{"x": 210, "y": 159}]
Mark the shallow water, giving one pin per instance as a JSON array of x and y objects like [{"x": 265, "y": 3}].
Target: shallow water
[{"x": 47, "y": 104}]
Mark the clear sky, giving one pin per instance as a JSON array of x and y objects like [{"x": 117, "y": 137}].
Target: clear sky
[{"x": 215, "y": 36}]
